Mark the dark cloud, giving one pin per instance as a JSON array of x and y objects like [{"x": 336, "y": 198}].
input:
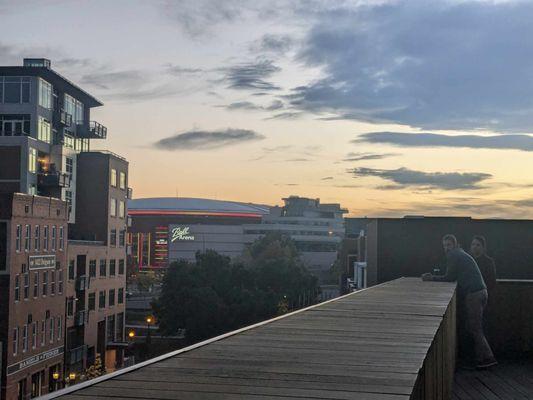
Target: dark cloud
[
  {"x": 252, "y": 75},
  {"x": 327, "y": 178},
  {"x": 270, "y": 43},
  {"x": 286, "y": 115},
  {"x": 435, "y": 65},
  {"x": 504, "y": 142},
  {"x": 206, "y": 140},
  {"x": 178, "y": 70},
  {"x": 403, "y": 178},
  {"x": 367, "y": 156},
  {"x": 298, "y": 160},
  {"x": 247, "y": 105}
]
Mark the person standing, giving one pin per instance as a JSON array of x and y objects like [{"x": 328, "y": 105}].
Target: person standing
[
  {"x": 461, "y": 267},
  {"x": 487, "y": 267}
]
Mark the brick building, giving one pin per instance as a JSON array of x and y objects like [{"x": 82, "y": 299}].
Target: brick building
[{"x": 33, "y": 233}]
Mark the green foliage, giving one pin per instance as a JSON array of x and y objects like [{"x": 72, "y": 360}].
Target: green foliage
[{"x": 214, "y": 295}]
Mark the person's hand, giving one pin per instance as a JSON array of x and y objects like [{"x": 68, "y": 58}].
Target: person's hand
[{"x": 426, "y": 277}]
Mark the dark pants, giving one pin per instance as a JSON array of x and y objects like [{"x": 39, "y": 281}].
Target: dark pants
[{"x": 475, "y": 304}]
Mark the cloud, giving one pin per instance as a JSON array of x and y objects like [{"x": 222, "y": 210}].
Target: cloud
[
  {"x": 502, "y": 142},
  {"x": 367, "y": 156},
  {"x": 404, "y": 178},
  {"x": 270, "y": 43},
  {"x": 178, "y": 70},
  {"x": 247, "y": 105},
  {"x": 327, "y": 178},
  {"x": 206, "y": 140},
  {"x": 286, "y": 115},
  {"x": 252, "y": 75},
  {"x": 434, "y": 65},
  {"x": 108, "y": 80},
  {"x": 298, "y": 160}
]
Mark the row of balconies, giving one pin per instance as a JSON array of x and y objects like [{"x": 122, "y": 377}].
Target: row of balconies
[{"x": 92, "y": 130}]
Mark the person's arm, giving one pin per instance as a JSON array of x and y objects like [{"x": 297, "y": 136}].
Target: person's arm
[{"x": 451, "y": 271}]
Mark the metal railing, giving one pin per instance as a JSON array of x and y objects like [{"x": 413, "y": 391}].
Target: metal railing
[{"x": 53, "y": 179}]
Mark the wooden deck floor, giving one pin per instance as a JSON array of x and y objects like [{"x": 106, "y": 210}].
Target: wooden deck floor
[
  {"x": 508, "y": 380},
  {"x": 367, "y": 345}
]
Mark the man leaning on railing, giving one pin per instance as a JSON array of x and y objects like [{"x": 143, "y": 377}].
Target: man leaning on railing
[{"x": 461, "y": 267}]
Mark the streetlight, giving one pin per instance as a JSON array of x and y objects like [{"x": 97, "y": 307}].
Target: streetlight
[
  {"x": 149, "y": 320},
  {"x": 131, "y": 334}
]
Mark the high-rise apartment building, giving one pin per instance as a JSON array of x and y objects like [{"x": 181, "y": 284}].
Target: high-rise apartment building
[{"x": 45, "y": 158}]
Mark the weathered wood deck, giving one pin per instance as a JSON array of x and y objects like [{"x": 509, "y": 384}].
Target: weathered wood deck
[
  {"x": 379, "y": 343},
  {"x": 508, "y": 380}
]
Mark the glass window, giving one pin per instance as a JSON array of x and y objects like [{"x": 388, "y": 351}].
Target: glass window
[
  {"x": 44, "y": 131},
  {"x": 60, "y": 282},
  {"x": 68, "y": 140},
  {"x": 32, "y": 160},
  {"x": 27, "y": 238},
  {"x": 18, "y": 238},
  {"x": 45, "y": 238},
  {"x": 121, "y": 267},
  {"x": 45, "y": 283},
  {"x": 113, "y": 208},
  {"x": 74, "y": 108},
  {"x": 45, "y": 94},
  {"x": 69, "y": 165},
  {"x": 101, "y": 299},
  {"x": 43, "y": 333},
  {"x": 53, "y": 238},
  {"x": 110, "y": 328},
  {"x": 121, "y": 209},
  {"x": 35, "y": 284},
  {"x": 15, "y": 89},
  {"x": 59, "y": 328},
  {"x": 61, "y": 238},
  {"x": 37, "y": 238},
  {"x": 122, "y": 180},
  {"x": 92, "y": 301},
  {"x": 112, "y": 267},
  {"x": 34, "y": 335},
  {"x": 113, "y": 177},
  {"x": 71, "y": 270},
  {"x": 52, "y": 282},
  {"x": 113, "y": 237},
  {"x": 15, "y": 341},
  {"x": 52, "y": 326},
  {"x": 25, "y": 339},
  {"x": 92, "y": 268},
  {"x": 26, "y": 279},
  {"x": 111, "y": 297},
  {"x": 120, "y": 299},
  {"x": 122, "y": 237},
  {"x": 120, "y": 327},
  {"x": 103, "y": 267},
  {"x": 17, "y": 287},
  {"x": 70, "y": 307}
]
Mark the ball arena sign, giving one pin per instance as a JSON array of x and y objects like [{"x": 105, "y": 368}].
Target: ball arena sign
[{"x": 181, "y": 233}]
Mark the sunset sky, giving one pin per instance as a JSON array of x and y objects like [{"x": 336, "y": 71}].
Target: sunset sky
[{"x": 387, "y": 107}]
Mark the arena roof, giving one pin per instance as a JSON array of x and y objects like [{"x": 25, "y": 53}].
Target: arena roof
[{"x": 194, "y": 206}]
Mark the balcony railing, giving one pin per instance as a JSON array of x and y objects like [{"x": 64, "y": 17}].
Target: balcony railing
[
  {"x": 63, "y": 118},
  {"x": 82, "y": 283},
  {"x": 93, "y": 130},
  {"x": 81, "y": 318},
  {"x": 76, "y": 355},
  {"x": 53, "y": 179}
]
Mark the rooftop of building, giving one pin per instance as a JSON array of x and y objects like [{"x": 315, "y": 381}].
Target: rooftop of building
[
  {"x": 42, "y": 67},
  {"x": 194, "y": 206}
]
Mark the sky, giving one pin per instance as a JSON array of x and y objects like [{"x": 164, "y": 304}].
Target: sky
[{"x": 389, "y": 108}]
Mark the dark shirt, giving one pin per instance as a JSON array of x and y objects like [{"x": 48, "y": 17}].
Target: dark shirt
[
  {"x": 487, "y": 267},
  {"x": 461, "y": 267}
]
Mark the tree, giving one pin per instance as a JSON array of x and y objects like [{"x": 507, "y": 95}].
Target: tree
[{"x": 214, "y": 295}]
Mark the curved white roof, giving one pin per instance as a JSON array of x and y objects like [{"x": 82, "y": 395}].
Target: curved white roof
[{"x": 186, "y": 204}]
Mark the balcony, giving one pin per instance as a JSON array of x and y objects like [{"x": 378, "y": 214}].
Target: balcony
[
  {"x": 93, "y": 130},
  {"x": 82, "y": 283},
  {"x": 81, "y": 318},
  {"x": 63, "y": 118},
  {"x": 53, "y": 180},
  {"x": 76, "y": 355}
]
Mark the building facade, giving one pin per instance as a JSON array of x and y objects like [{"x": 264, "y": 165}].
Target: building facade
[
  {"x": 33, "y": 240},
  {"x": 164, "y": 230},
  {"x": 45, "y": 136},
  {"x": 317, "y": 229}
]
